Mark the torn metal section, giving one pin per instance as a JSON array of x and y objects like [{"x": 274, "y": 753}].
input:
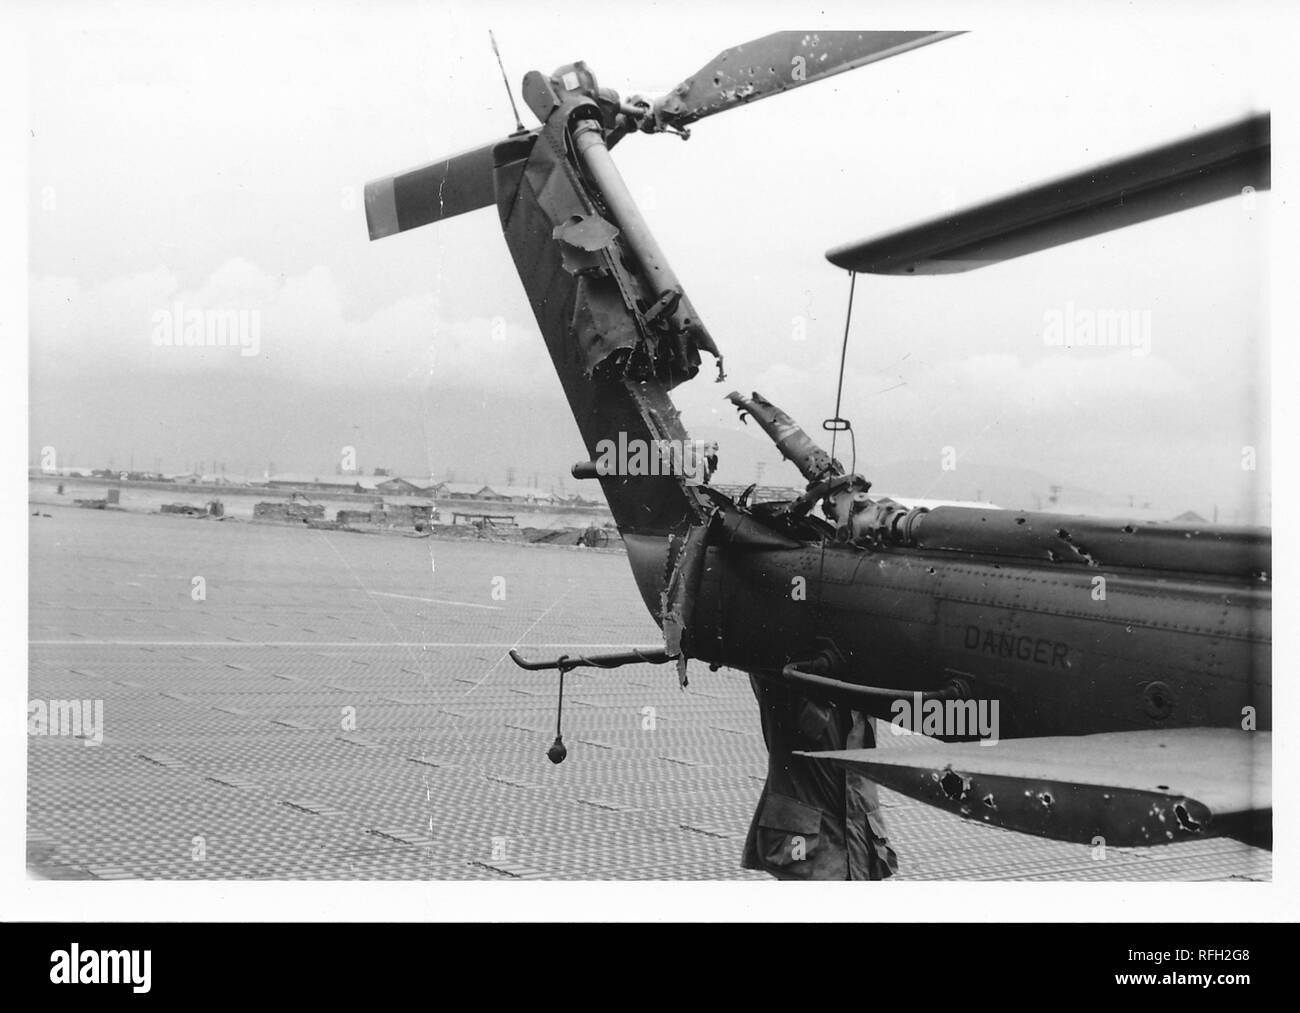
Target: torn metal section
[
  {"x": 681, "y": 590},
  {"x": 598, "y": 324},
  {"x": 586, "y": 232},
  {"x": 796, "y": 446},
  {"x": 844, "y": 497},
  {"x": 581, "y": 238},
  {"x": 674, "y": 318},
  {"x": 597, "y": 230}
]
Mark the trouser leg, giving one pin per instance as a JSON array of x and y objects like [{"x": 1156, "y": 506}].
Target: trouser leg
[{"x": 814, "y": 820}]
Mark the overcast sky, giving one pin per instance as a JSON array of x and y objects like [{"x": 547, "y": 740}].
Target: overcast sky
[{"x": 215, "y": 156}]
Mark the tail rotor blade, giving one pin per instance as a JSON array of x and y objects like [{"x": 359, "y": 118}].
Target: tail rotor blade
[
  {"x": 777, "y": 63},
  {"x": 430, "y": 193}
]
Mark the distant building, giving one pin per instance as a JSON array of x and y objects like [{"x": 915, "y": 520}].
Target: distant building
[
  {"x": 310, "y": 483},
  {"x": 59, "y": 472},
  {"x": 390, "y": 485},
  {"x": 458, "y": 490},
  {"x": 516, "y": 494},
  {"x": 395, "y": 486}
]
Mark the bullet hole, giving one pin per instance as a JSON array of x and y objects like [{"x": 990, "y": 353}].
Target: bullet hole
[
  {"x": 1129, "y": 529},
  {"x": 1158, "y": 700},
  {"x": 954, "y": 785},
  {"x": 1020, "y": 520},
  {"x": 1063, "y": 534},
  {"x": 1045, "y": 799},
  {"x": 1163, "y": 787},
  {"x": 1185, "y": 820},
  {"x": 989, "y": 801}
]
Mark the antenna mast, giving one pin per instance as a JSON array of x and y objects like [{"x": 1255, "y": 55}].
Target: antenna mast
[{"x": 519, "y": 124}]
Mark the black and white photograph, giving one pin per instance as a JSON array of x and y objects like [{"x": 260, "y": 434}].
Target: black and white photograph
[{"x": 476, "y": 443}]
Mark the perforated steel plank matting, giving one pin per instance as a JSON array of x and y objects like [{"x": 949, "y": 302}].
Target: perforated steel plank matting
[{"x": 286, "y": 703}]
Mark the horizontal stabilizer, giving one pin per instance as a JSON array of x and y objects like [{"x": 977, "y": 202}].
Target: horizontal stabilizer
[
  {"x": 1124, "y": 788},
  {"x": 1174, "y": 177}
]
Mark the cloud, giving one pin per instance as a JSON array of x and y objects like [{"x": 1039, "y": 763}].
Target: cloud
[
  {"x": 1097, "y": 388},
  {"x": 302, "y": 333}
]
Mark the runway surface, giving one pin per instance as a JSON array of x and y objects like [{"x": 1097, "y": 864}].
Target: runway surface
[{"x": 341, "y": 706}]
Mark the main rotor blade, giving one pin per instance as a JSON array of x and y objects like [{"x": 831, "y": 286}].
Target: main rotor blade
[
  {"x": 430, "y": 193},
  {"x": 1174, "y": 177},
  {"x": 777, "y": 63}
]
